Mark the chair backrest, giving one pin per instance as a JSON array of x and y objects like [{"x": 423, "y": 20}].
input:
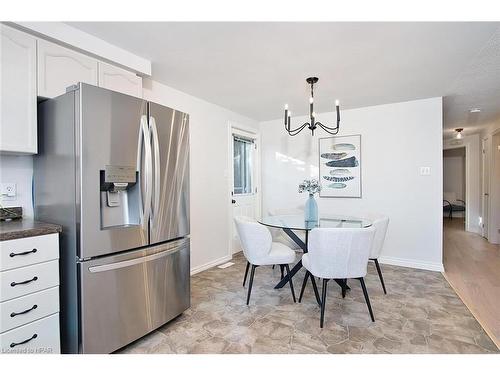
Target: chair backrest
[
  {"x": 255, "y": 238},
  {"x": 338, "y": 253},
  {"x": 450, "y": 196},
  {"x": 380, "y": 223}
]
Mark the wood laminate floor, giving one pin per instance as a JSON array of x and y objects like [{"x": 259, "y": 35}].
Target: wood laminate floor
[
  {"x": 472, "y": 267},
  {"x": 420, "y": 314}
]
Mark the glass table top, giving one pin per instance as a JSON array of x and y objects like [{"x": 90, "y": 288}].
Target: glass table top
[{"x": 298, "y": 222}]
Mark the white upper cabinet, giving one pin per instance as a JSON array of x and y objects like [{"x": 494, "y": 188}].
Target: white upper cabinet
[
  {"x": 59, "y": 68},
  {"x": 118, "y": 79},
  {"x": 17, "y": 92}
]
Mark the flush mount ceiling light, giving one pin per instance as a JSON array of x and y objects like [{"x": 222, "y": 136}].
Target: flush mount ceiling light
[
  {"x": 313, "y": 124},
  {"x": 459, "y": 132},
  {"x": 475, "y": 110}
]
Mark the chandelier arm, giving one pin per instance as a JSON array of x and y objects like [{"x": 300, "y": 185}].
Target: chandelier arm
[
  {"x": 326, "y": 127},
  {"x": 298, "y": 129},
  {"x": 332, "y": 131}
]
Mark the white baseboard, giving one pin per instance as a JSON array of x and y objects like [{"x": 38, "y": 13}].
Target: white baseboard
[
  {"x": 429, "y": 266},
  {"x": 208, "y": 265}
]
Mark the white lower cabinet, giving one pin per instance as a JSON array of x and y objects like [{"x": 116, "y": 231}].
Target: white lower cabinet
[
  {"x": 60, "y": 67},
  {"x": 23, "y": 310},
  {"x": 29, "y": 295},
  {"x": 120, "y": 80},
  {"x": 38, "y": 337}
]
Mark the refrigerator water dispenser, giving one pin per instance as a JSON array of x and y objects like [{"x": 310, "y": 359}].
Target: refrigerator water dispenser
[{"x": 119, "y": 196}]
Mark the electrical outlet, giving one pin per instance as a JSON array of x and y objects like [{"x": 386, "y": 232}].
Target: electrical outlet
[
  {"x": 8, "y": 191},
  {"x": 425, "y": 171}
]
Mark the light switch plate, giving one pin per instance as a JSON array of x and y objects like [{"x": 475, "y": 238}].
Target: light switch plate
[
  {"x": 8, "y": 191},
  {"x": 425, "y": 171}
]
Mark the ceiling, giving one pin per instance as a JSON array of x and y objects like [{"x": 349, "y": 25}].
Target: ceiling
[{"x": 255, "y": 68}]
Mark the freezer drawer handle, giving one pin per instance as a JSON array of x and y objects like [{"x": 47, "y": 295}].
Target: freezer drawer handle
[
  {"x": 12, "y": 255},
  {"x": 23, "y": 342},
  {"x": 24, "y": 282},
  {"x": 131, "y": 262},
  {"x": 13, "y": 314}
]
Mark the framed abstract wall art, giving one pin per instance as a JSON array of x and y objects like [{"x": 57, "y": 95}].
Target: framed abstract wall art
[{"x": 340, "y": 166}]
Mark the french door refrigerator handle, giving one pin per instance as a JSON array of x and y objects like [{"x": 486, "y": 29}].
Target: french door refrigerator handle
[
  {"x": 145, "y": 141},
  {"x": 156, "y": 149}
]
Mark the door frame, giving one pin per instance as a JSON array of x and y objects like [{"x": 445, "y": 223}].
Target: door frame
[
  {"x": 244, "y": 130},
  {"x": 467, "y": 179},
  {"x": 493, "y": 220},
  {"x": 485, "y": 186}
]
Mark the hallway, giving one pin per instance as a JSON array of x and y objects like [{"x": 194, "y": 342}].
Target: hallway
[{"x": 472, "y": 267}]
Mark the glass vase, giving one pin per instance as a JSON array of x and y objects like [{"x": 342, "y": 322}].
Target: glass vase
[{"x": 311, "y": 209}]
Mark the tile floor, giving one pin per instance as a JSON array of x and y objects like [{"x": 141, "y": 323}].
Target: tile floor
[{"x": 420, "y": 314}]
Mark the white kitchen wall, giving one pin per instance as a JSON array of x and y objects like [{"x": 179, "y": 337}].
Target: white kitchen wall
[
  {"x": 210, "y": 237},
  {"x": 397, "y": 139},
  {"x": 18, "y": 170}
]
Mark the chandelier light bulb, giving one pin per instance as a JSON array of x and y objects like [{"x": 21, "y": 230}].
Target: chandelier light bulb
[
  {"x": 337, "y": 103},
  {"x": 289, "y": 113},
  {"x": 286, "y": 106},
  {"x": 311, "y": 99}
]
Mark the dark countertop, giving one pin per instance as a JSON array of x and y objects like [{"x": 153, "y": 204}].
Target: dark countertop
[{"x": 14, "y": 229}]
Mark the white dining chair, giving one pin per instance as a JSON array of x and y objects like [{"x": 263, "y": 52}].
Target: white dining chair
[
  {"x": 380, "y": 223},
  {"x": 260, "y": 250},
  {"x": 339, "y": 254}
]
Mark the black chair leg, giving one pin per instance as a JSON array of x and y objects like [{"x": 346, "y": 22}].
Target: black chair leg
[
  {"x": 315, "y": 288},
  {"x": 344, "y": 288},
  {"x": 246, "y": 273},
  {"x": 252, "y": 273},
  {"x": 287, "y": 267},
  {"x": 282, "y": 269},
  {"x": 380, "y": 275},
  {"x": 323, "y": 303},
  {"x": 367, "y": 299},
  {"x": 303, "y": 286},
  {"x": 274, "y": 265}
]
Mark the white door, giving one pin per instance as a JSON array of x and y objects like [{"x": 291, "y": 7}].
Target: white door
[
  {"x": 244, "y": 191},
  {"x": 18, "y": 127},
  {"x": 59, "y": 68},
  {"x": 486, "y": 186},
  {"x": 120, "y": 80}
]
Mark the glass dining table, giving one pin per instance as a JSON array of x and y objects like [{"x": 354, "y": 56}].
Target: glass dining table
[{"x": 291, "y": 223}]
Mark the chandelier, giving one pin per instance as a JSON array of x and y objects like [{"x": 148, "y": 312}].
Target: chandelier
[{"x": 313, "y": 124}]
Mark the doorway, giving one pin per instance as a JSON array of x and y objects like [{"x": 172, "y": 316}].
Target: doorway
[
  {"x": 454, "y": 187},
  {"x": 244, "y": 179}
]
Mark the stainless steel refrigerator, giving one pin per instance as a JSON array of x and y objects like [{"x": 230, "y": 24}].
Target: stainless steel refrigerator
[{"x": 114, "y": 171}]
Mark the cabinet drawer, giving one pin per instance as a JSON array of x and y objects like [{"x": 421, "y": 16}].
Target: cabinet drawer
[
  {"x": 21, "y": 281},
  {"x": 19, "y": 311},
  {"x": 41, "y": 336},
  {"x": 27, "y": 251}
]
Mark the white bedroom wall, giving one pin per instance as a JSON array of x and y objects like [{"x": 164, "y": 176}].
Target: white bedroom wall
[
  {"x": 454, "y": 175},
  {"x": 209, "y": 193},
  {"x": 396, "y": 140}
]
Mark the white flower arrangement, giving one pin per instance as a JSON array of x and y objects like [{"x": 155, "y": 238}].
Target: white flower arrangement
[{"x": 312, "y": 186}]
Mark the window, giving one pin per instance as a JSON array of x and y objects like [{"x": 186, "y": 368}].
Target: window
[{"x": 242, "y": 165}]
